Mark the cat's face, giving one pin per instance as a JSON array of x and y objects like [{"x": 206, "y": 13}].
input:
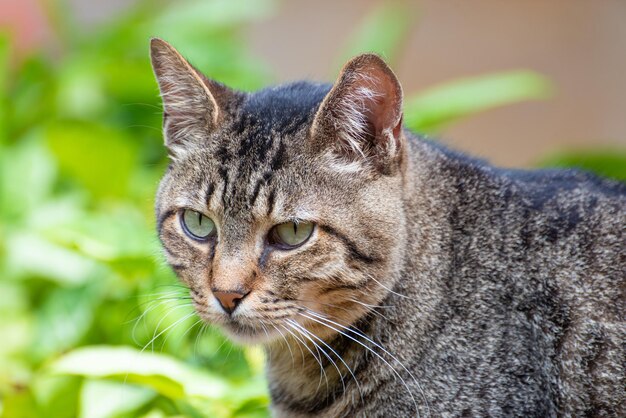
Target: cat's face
[{"x": 282, "y": 208}]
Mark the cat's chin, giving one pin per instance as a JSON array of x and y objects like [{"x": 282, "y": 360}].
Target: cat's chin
[{"x": 249, "y": 335}]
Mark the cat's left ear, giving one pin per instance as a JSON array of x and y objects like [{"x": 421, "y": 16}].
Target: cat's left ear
[
  {"x": 361, "y": 117},
  {"x": 193, "y": 105}
]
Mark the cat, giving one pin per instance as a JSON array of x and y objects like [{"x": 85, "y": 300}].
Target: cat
[{"x": 385, "y": 274}]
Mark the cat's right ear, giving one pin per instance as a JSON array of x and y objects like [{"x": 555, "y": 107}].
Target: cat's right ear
[
  {"x": 360, "y": 119},
  {"x": 193, "y": 105}
]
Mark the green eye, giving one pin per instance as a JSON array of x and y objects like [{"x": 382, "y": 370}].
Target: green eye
[
  {"x": 291, "y": 234},
  {"x": 196, "y": 225}
]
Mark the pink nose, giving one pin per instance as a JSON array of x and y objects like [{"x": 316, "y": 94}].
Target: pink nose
[{"x": 229, "y": 300}]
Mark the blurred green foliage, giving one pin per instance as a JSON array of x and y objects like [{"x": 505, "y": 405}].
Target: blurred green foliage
[
  {"x": 80, "y": 158},
  {"x": 433, "y": 109},
  {"x": 93, "y": 322},
  {"x": 381, "y": 31},
  {"x": 607, "y": 163}
]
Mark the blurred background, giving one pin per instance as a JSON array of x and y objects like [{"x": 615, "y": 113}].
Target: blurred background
[{"x": 93, "y": 323}]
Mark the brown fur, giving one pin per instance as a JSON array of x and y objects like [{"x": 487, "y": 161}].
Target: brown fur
[{"x": 432, "y": 284}]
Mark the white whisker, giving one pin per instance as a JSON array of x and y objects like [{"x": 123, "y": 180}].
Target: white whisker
[
  {"x": 316, "y": 315},
  {"x": 203, "y": 329},
  {"x": 298, "y": 345},
  {"x": 385, "y": 287},
  {"x": 184, "y": 333},
  {"x": 293, "y": 361},
  {"x": 340, "y": 359},
  {"x": 369, "y": 305},
  {"x": 155, "y": 335},
  {"x": 306, "y": 332},
  {"x": 322, "y": 371}
]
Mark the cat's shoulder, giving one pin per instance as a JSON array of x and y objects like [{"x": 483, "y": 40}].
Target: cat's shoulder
[{"x": 542, "y": 184}]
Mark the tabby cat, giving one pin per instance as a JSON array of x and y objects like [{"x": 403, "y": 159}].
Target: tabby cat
[{"x": 385, "y": 274}]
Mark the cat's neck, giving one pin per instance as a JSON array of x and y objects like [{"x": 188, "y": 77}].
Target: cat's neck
[{"x": 307, "y": 374}]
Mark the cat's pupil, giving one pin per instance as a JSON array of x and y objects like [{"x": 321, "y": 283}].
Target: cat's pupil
[
  {"x": 291, "y": 234},
  {"x": 197, "y": 225}
]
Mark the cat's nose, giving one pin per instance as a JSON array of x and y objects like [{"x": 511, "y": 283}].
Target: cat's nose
[{"x": 229, "y": 300}]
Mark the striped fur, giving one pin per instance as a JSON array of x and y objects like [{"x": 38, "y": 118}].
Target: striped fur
[{"x": 433, "y": 284}]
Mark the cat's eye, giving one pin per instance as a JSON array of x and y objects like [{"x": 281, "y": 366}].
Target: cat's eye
[
  {"x": 291, "y": 234},
  {"x": 196, "y": 225}
]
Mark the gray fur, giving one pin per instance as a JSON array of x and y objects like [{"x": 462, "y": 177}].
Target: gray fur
[{"x": 477, "y": 291}]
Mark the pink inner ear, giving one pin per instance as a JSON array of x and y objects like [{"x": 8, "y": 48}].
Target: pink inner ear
[
  {"x": 361, "y": 115},
  {"x": 379, "y": 98},
  {"x": 384, "y": 113}
]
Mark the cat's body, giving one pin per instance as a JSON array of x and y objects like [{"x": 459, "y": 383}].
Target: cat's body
[
  {"x": 512, "y": 299},
  {"x": 431, "y": 284}
]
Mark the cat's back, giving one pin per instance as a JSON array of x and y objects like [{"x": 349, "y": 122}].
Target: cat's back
[
  {"x": 561, "y": 204},
  {"x": 579, "y": 227},
  {"x": 545, "y": 251},
  {"x": 564, "y": 226}
]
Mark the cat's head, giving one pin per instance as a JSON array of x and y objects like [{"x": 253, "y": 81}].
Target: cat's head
[{"x": 282, "y": 208}]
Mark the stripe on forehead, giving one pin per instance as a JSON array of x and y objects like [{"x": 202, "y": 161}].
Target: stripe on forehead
[{"x": 260, "y": 133}]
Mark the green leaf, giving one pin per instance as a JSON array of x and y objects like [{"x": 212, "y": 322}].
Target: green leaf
[
  {"x": 208, "y": 15},
  {"x": 57, "y": 393},
  {"x": 607, "y": 163},
  {"x": 64, "y": 317},
  {"x": 439, "y": 106},
  {"x": 18, "y": 403},
  {"x": 80, "y": 93},
  {"x": 27, "y": 174},
  {"x": 121, "y": 233},
  {"x": 30, "y": 254},
  {"x": 164, "y": 374},
  {"x": 382, "y": 31},
  {"x": 104, "y": 399},
  {"x": 31, "y": 95},
  {"x": 100, "y": 157}
]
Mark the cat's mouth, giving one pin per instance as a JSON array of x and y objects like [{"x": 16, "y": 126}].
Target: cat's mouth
[
  {"x": 244, "y": 325},
  {"x": 248, "y": 333}
]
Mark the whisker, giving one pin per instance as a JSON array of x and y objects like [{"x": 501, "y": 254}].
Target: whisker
[
  {"x": 177, "y": 286},
  {"x": 306, "y": 332},
  {"x": 386, "y": 288},
  {"x": 371, "y": 306},
  {"x": 322, "y": 371},
  {"x": 313, "y": 318},
  {"x": 372, "y": 309},
  {"x": 323, "y": 304},
  {"x": 155, "y": 335},
  {"x": 293, "y": 361},
  {"x": 224, "y": 341},
  {"x": 298, "y": 345},
  {"x": 142, "y": 104},
  {"x": 182, "y": 336},
  {"x": 230, "y": 350},
  {"x": 162, "y": 296},
  {"x": 315, "y": 346},
  {"x": 203, "y": 329},
  {"x": 161, "y": 300},
  {"x": 178, "y": 291},
  {"x": 267, "y": 335},
  {"x": 338, "y": 357},
  {"x": 156, "y": 303},
  {"x": 356, "y": 381}
]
